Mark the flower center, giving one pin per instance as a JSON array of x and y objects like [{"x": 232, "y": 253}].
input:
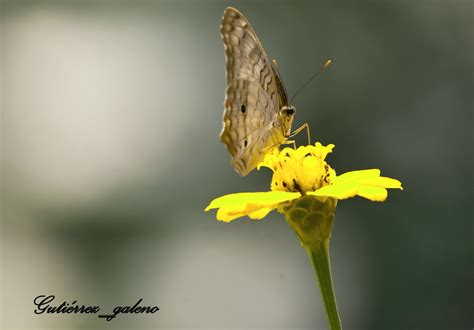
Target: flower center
[{"x": 300, "y": 170}]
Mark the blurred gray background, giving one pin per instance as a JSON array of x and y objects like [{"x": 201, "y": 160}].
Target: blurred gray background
[{"x": 111, "y": 112}]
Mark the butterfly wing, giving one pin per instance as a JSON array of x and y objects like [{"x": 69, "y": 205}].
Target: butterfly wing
[{"x": 252, "y": 96}]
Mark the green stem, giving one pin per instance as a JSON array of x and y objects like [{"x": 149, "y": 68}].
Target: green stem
[{"x": 319, "y": 254}]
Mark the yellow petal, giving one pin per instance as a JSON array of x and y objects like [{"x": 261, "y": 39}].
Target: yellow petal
[
  {"x": 260, "y": 214},
  {"x": 230, "y": 200},
  {"x": 375, "y": 194},
  {"x": 352, "y": 189},
  {"x": 256, "y": 205},
  {"x": 227, "y": 214},
  {"x": 339, "y": 190},
  {"x": 355, "y": 175},
  {"x": 382, "y": 181},
  {"x": 365, "y": 183}
]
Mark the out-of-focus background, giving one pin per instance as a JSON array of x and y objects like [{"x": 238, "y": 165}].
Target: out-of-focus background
[{"x": 111, "y": 112}]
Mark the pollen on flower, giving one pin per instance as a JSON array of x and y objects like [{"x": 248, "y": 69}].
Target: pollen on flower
[{"x": 304, "y": 167}]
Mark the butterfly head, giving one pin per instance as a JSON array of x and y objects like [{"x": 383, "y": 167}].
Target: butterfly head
[{"x": 287, "y": 113}]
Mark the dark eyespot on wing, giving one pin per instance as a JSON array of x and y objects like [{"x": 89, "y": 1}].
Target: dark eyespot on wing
[{"x": 243, "y": 108}]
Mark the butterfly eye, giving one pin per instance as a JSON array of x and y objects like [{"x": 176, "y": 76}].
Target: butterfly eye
[
  {"x": 245, "y": 143},
  {"x": 288, "y": 111},
  {"x": 242, "y": 108}
]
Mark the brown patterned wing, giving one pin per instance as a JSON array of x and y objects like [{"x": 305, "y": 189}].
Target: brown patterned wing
[{"x": 252, "y": 98}]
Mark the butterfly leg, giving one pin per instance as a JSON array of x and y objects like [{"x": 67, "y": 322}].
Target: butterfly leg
[
  {"x": 293, "y": 142},
  {"x": 299, "y": 129},
  {"x": 264, "y": 150}
]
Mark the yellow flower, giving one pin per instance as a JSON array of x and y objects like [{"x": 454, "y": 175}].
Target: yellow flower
[{"x": 301, "y": 172}]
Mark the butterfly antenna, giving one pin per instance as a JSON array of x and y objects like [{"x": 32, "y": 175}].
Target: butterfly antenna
[{"x": 326, "y": 65}]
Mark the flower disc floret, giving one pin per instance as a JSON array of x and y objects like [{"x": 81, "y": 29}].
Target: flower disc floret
[{"x": 300, "y": 170}]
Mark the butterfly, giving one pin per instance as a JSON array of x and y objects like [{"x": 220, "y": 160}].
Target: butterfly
[{"x": 257, "y": 116}]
